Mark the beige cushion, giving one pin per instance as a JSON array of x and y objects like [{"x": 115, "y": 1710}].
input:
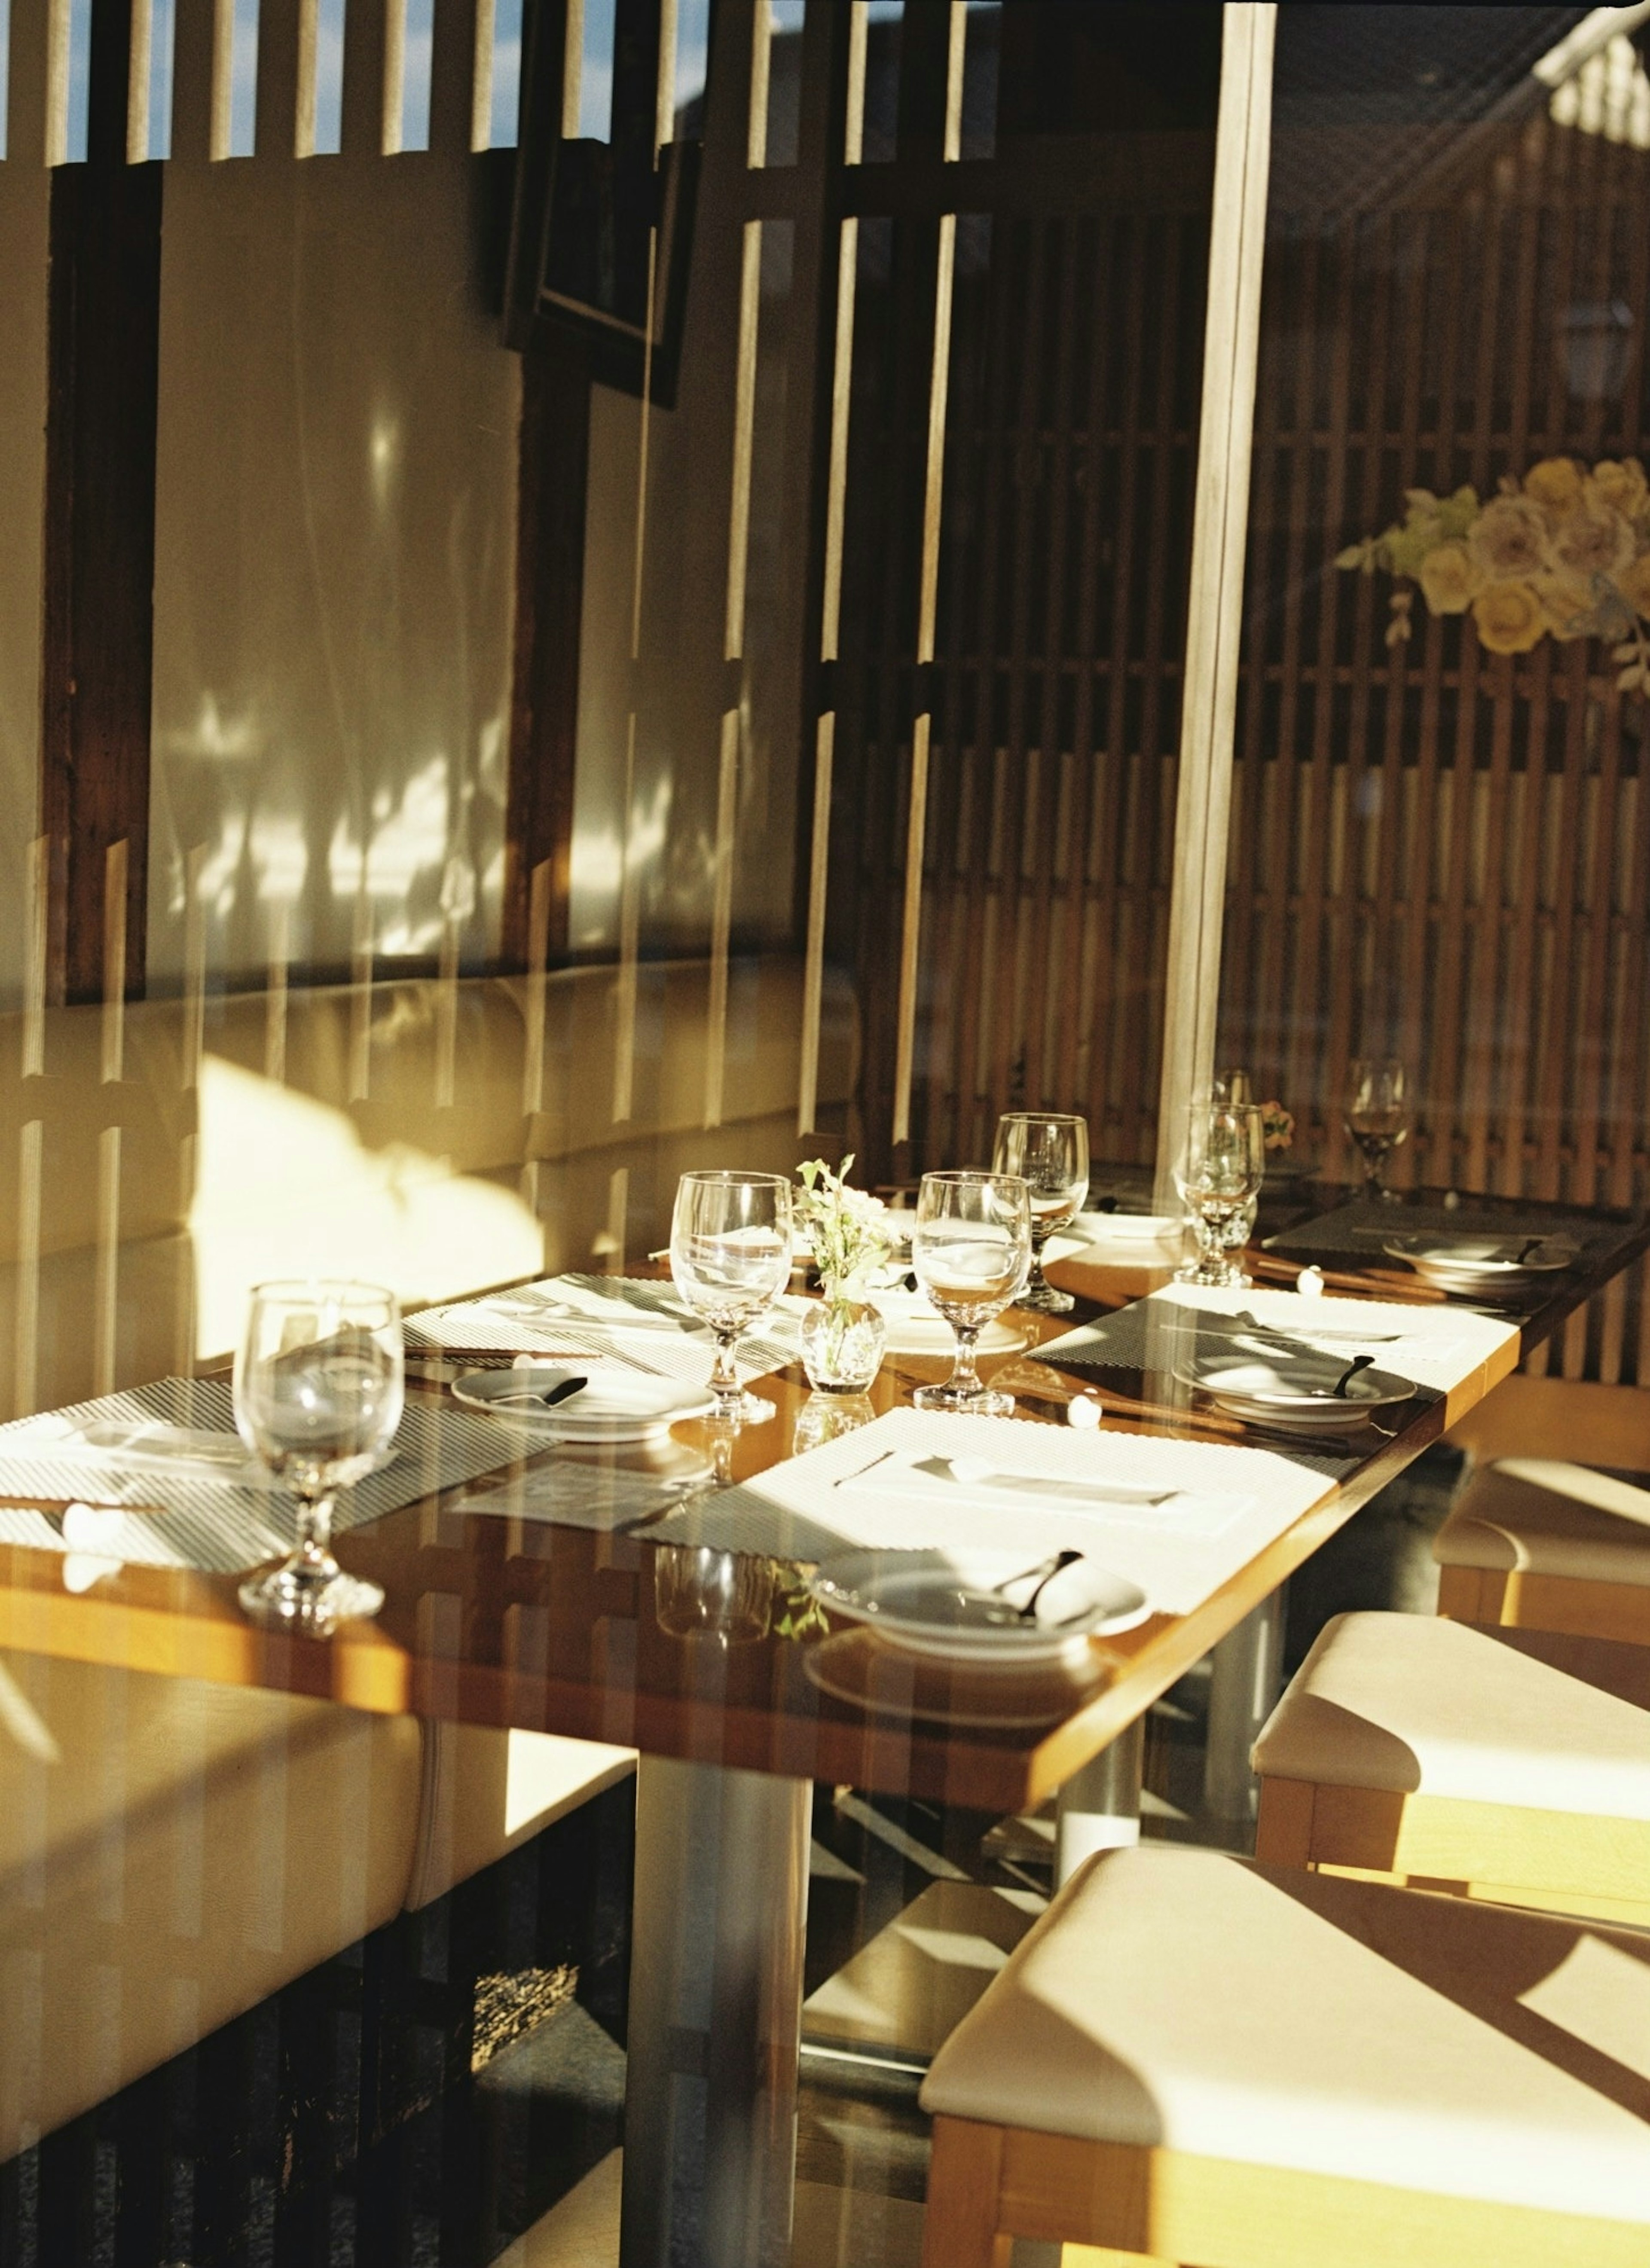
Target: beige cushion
[
  {"x": 1409, "y": 1704},
  {"x": 171, "y": 1853},
  {"x": 1285, "y": 2019},
  {"x": 1549, "y": 1519},
  {"x": 485, "y": 1792}
]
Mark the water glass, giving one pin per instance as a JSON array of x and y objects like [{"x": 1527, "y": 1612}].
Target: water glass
[
  {"x": 971, "y": 1250},
  {"x": 1219, "y": 1173},
  {"x": 1049, "y": 1151},
  {"x": 730, "y": 1258},
  {"x": 318, "y": 1389},
  {"x": 1377, "y": 1117}
]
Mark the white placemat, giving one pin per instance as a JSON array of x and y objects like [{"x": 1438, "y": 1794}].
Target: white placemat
[
  {"x": 627, "y": 1318},
  {"x": 216, "y": 1526},
  {"x": 1436, "y": 1346},
  {"x": 1234, "y": 1501}
]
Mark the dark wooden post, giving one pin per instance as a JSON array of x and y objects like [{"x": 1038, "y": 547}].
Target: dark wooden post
[{"x": 103, "y": 344}]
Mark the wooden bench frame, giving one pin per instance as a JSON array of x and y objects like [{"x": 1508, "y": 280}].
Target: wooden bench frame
[
  {"x": 1505, "y": 1854},
  {"x": 1110, "y": 2204},
  {"x": 1514, "y": 1598}
]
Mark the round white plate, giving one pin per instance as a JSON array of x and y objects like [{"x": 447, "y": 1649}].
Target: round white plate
[
  {"x": 615, "y": 1406},
  {"x": 1474, "y": 1263},
  {"x": 920, "y": 1329},
  {"x": 954, "y": 1602},
  {"x": 1293, "y": 1390},
  {"x": 890, "y": 1681}
]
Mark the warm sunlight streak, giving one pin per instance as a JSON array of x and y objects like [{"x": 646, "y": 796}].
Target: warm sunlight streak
[
  {"x": 1600, "y": 1997},
  {"x": 286, "y": 1188}
]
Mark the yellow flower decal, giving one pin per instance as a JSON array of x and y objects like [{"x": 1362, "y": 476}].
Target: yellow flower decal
[
  {"x": 1510, "y": 618},
  {"x": 1554, "y": 484},
  {"x": 1635, "y": 585},
  {"x": 1563, "y": 553},
  {"x": 1619, "y": 487},
  {"x": 1450, "y": 580}
]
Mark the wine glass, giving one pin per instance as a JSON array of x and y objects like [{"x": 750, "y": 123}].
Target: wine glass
[
  {"x": 1048, "y": 1149},
  {"x": 1377, "y": 1118},
  {"x": 970, "y": 1249},
  {"x": 1237, "y": 1086},
  {"x": 730, "y": 1257},
  {"x": 1218, "y": 1172},
  {"x": 318, "y": 1394}
]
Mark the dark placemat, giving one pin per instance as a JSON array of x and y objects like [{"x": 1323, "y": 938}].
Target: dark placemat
[
  {"x": 1153, "y": 1335},
  {"x": 1360, "y": 1230}
]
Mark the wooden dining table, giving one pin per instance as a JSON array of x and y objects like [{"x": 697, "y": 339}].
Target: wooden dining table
[{"x": 503, "y": 1620}]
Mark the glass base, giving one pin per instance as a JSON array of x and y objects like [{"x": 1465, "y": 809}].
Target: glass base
[
  {"x": 978, "y": 1402},
  {"x": 299, "y": 1597},
  {"x": 1046, "y": 1300},
  {"x": 743, "y": 1409},
  {"x": 1217, "y": 1275}
]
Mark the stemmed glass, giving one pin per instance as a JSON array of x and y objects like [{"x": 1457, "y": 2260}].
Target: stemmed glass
[
  {"x": 1377, "y": 1118},
  {"x": 318, "y": 1394},
  {"x": 730, "y": 1257},
  {"x": 1221, "y": 1164},
  {"x": 970, "y": 1249},
  {"x": 1048, "y": 1149}
]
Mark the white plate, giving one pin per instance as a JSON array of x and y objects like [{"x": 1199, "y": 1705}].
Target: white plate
[
  {"x": 1478, "y": 1263},
  {"x": 615, "y": 1406},
  {"x": 965, "y": 1605},
  {"x": 1293, "y": 1390},
  {"x": 916, "y": 1327},
  {"x": 1126, "y": 1227}
]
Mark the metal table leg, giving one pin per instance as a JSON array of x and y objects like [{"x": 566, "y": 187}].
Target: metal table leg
[
  {"x": 716, "y": 2017},
  {"x": 1247, "y": 1677},
  {"x": 1099, "y": 1807}
]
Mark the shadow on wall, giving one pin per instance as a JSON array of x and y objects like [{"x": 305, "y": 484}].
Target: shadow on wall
[{"x": 436, "y": 1136}]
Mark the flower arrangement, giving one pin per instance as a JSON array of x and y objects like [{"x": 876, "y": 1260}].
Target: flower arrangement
[
  {"x": 1564, "y": 554},
  {"x": 1277, "y": 1125},
  {"x": 849, "y": 1229}
]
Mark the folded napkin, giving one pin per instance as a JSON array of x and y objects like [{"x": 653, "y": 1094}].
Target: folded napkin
[{"x": 952, "y": 1483}]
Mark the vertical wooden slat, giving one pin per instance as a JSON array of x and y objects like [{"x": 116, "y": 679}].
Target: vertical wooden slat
[
  {"x": 1237, "y": 240},
  {"x": 26, "y": 1338},
  {"x": 721, "y": 919}
]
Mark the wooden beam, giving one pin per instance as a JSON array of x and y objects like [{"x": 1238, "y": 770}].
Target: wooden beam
[
  {"x": 551, "y": 483},
  {"x": 1219, "y": 533},
  {"x": 102, "y": 363}
]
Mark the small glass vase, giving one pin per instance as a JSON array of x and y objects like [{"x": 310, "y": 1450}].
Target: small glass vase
[{"x": 842, "y": 1344}]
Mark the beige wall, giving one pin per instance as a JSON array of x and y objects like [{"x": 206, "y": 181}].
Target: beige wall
[
  {"x": 334, "y": 547},
  {"x": 25, "y": 197}
]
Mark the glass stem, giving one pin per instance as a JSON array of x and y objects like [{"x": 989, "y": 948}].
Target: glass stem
[
  {"x": 964, "y": 1377},
  {"x": 315, "y": 1535},
  {"x": 725, "y": 1378},
  {"x": 1036, "y": 1281}
]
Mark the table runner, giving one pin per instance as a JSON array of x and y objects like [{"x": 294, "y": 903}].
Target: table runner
[
  {"x": 1438, "y": 1347},
  {"x": 216, "y": 1526},
  {"x": 591, "y": 1314},
  {"x": 797, "y": 1511},
  {"x": 1363, "y": 1229}
]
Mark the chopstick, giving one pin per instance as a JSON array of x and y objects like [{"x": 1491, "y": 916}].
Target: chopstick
[{"x": 1374, "y": 1284}]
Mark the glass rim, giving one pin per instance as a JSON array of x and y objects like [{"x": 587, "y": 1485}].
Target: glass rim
[
  {"x": 1202, "y": 1105},
  {"x": 955, "y": 1177},
  {"x": 339, "y": 1288},
  {"x": 1042, "y": 1118},
  {"x": 730, "y": 1176}
]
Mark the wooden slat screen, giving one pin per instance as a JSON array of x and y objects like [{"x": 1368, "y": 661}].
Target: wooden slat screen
[{"x": 1438, "y": 852}]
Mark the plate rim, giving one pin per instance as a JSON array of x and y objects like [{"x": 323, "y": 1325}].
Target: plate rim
[
  {"x": 695, "y": 1402},
  {"x": 973, "y": 1646}
]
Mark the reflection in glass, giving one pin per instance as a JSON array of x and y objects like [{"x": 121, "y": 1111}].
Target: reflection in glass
[
  {"x": 1218, "y": 1172},
  {"x": 970, "y": 1249},
  {"x": 318, "y": 1396},
  {"x": 1377, "y": 1115},
  {"x": 725, "y": 1596},
  {"x": 730, "y": 1258},
  {"x": 1048, "y": 1149}
]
